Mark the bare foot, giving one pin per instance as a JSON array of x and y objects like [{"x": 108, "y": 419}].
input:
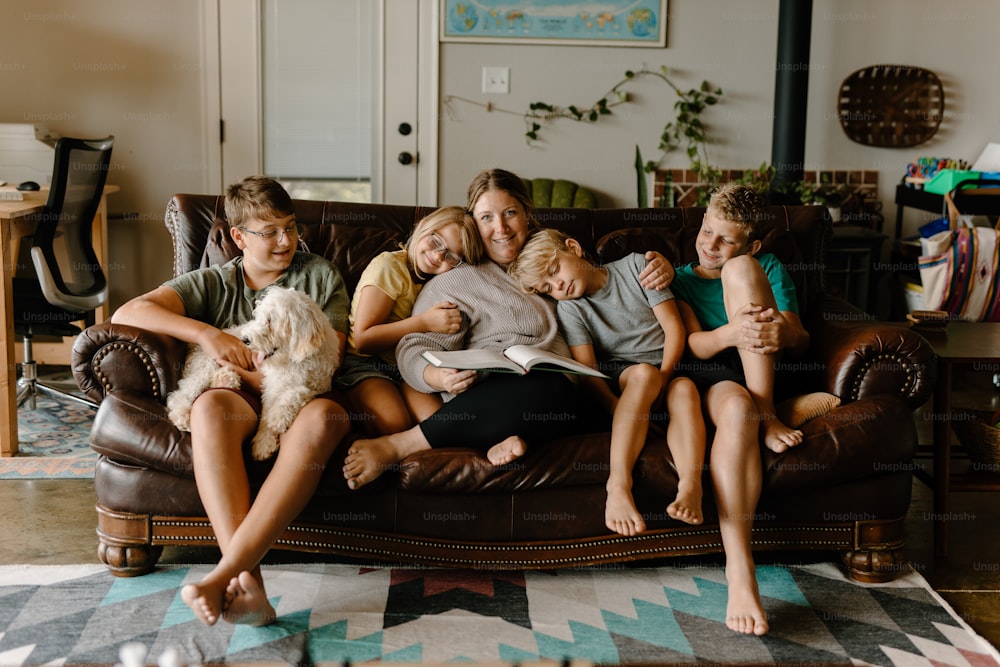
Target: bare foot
[
  {"x": 247, "y": 602},
  {"x": 744, "y": 611},
  {"x": 687, "y": 505},
  {"x": 621, "y": 514},
  {"x": 367, "y": 459},
  {"x": 778, "y": 437},
  {"x": 205, "y": 600},
  {"x": 506, "y": 451}
]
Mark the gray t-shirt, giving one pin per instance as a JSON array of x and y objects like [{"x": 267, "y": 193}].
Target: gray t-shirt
[
  {"x": 218, "y": 294},
  {"x": 618, "y": 320}
]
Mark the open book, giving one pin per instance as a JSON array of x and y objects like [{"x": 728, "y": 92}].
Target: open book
[{"x": 515, "y": 359}]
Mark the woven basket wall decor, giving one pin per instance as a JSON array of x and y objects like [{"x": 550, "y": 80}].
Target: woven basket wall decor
[{"x": 893, "y": 106}]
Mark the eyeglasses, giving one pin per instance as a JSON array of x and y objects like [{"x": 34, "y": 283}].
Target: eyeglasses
[
  {"x": 438, "y": 245},
  {"x": 275, "y": 235}
]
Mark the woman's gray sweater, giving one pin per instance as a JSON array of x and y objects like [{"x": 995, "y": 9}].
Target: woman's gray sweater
[{"x": 496, "y": 314}]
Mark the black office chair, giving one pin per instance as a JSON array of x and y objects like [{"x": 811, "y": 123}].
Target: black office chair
[{"x": 62, "y": 282}]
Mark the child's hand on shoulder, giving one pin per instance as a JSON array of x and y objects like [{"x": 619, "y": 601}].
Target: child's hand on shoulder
[
  {"x": 659, "y": 272},
  {"x": 444, "y": 317}
]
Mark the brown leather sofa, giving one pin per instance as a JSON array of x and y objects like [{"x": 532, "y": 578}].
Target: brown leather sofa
[{"x": 845, "y": 489}]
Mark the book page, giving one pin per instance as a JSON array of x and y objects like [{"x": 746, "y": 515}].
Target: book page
[
  {"x": 472, "y": 360},
  {"x": 530, "y": 357}
]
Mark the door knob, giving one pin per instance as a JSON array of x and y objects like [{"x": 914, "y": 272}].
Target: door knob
[
  {"x": 405, "y": 129},
  {"x": 406, "y": 157}
]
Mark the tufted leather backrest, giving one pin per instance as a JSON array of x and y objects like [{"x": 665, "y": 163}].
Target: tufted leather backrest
[{"x": 351, "y": 234}]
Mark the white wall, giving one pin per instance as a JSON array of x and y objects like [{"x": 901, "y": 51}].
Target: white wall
[{"x": 732, "y": 44}]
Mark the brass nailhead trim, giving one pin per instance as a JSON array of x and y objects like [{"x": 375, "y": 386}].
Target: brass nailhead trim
[
  {"x": 105, "y": 350},
  {"x": 882, "y": 358},
  {"x": 397, "y": 554}
]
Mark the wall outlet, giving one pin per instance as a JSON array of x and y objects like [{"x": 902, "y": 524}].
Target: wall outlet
[{"x": 496, "y": 80}]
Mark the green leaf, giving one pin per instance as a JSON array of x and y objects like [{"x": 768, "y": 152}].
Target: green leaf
[{"x": 640, "y": 177}]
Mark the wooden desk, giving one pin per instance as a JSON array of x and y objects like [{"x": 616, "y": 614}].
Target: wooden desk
[
  {"x": 14, "y": 226},
  {"x": 964, "y": 344}
]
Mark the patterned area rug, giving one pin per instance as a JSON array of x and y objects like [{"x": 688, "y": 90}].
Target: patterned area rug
[
  {"x": 52, "y": 442},
  {"x": 342, "y": 613}
]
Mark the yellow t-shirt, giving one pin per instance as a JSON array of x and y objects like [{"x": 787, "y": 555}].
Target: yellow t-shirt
[{"x": 390, "y": 273}]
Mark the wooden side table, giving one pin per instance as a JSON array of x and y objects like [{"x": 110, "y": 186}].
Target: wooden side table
[{"x": 964, "y": 344}]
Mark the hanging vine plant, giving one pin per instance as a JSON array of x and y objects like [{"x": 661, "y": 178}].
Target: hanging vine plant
[{"x": 684, "y": 130}]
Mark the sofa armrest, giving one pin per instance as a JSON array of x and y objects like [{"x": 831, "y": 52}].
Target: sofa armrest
[
  {"x": 120, "y": 358},
  {"x": 862, "y": 357}
]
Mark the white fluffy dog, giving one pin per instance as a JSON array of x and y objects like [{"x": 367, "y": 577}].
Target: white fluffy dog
[{"x": 301, "y": 353}]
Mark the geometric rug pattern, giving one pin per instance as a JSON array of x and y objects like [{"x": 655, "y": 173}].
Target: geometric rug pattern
[
  {"x": 346, "y": 613},
  {"x": 53, "y": 442}
]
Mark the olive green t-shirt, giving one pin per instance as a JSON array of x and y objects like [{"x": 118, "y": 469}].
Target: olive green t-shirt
[{"x": 218, "y": 295}]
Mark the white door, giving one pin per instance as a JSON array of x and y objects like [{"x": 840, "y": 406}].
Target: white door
[
  {"x": 409, "y": 102},
  {"x": 404, "y": 75}
]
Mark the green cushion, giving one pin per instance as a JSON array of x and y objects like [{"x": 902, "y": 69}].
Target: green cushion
[{"x": 549, "y": 193}]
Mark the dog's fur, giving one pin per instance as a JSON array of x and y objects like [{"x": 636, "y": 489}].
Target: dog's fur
[{"x": 301, "y": 352}]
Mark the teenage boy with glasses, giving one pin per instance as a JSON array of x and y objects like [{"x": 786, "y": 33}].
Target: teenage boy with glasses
[{"x": 196, "y": 307}]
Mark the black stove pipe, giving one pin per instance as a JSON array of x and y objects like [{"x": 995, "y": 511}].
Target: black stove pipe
[{"x": 791, "y": 94}]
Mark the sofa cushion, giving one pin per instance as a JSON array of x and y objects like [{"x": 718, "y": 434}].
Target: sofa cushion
[{"x": 797, "y": 410}]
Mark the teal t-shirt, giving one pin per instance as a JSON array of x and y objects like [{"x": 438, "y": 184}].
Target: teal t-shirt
[
  {"x": 219, "y": 295},
  {"x": 704, "y": 295}
]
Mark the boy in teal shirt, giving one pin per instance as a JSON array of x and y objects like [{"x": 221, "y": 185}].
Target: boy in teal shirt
[{"x": 740, "y": 311}]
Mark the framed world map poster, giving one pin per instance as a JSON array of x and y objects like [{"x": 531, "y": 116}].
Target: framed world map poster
[{"x": 591, "y": 22}]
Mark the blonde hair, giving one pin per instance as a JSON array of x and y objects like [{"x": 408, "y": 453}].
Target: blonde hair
[
  {"x": 537, "y": 256},
  {"x": 257, "y": 197},
  {"x": 472, "y": 245},
  {"x": 741, "y": 205}
]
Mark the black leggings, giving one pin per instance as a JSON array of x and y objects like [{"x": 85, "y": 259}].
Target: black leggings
[{"x": 539, "y": 406}]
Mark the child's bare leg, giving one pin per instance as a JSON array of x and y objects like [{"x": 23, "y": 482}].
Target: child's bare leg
[
  {"x": 367, "y": 459},
  {"x": 385, "y": 410},
  {"x": 640, "y": 385},
  {"x": 305, "y": 449},
  {"x": 736, "y": 479},
  {"x": 220, "y": 422},
  {"x": 420, "y": 405},
  {"x": 686, "y": 440},
  {"x": 743, "y": 282}
]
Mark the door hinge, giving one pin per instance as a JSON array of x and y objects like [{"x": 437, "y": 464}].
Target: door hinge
[{"x": 222, "y": 131}]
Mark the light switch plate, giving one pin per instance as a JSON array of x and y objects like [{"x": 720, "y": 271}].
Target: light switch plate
[{"x": 496, "y": 80}]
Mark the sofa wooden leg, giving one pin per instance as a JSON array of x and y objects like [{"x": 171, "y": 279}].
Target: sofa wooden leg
[
  {"x": 874, "y": 567},
  {"x": 124, "y": 543},
  {"x": 129, "y": 561}
]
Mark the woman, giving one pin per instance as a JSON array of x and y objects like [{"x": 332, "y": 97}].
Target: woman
[{"x": 496, "y": 413}]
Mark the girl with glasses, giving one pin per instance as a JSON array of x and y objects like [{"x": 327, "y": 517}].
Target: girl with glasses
[{"x": 381, "y": 314}]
